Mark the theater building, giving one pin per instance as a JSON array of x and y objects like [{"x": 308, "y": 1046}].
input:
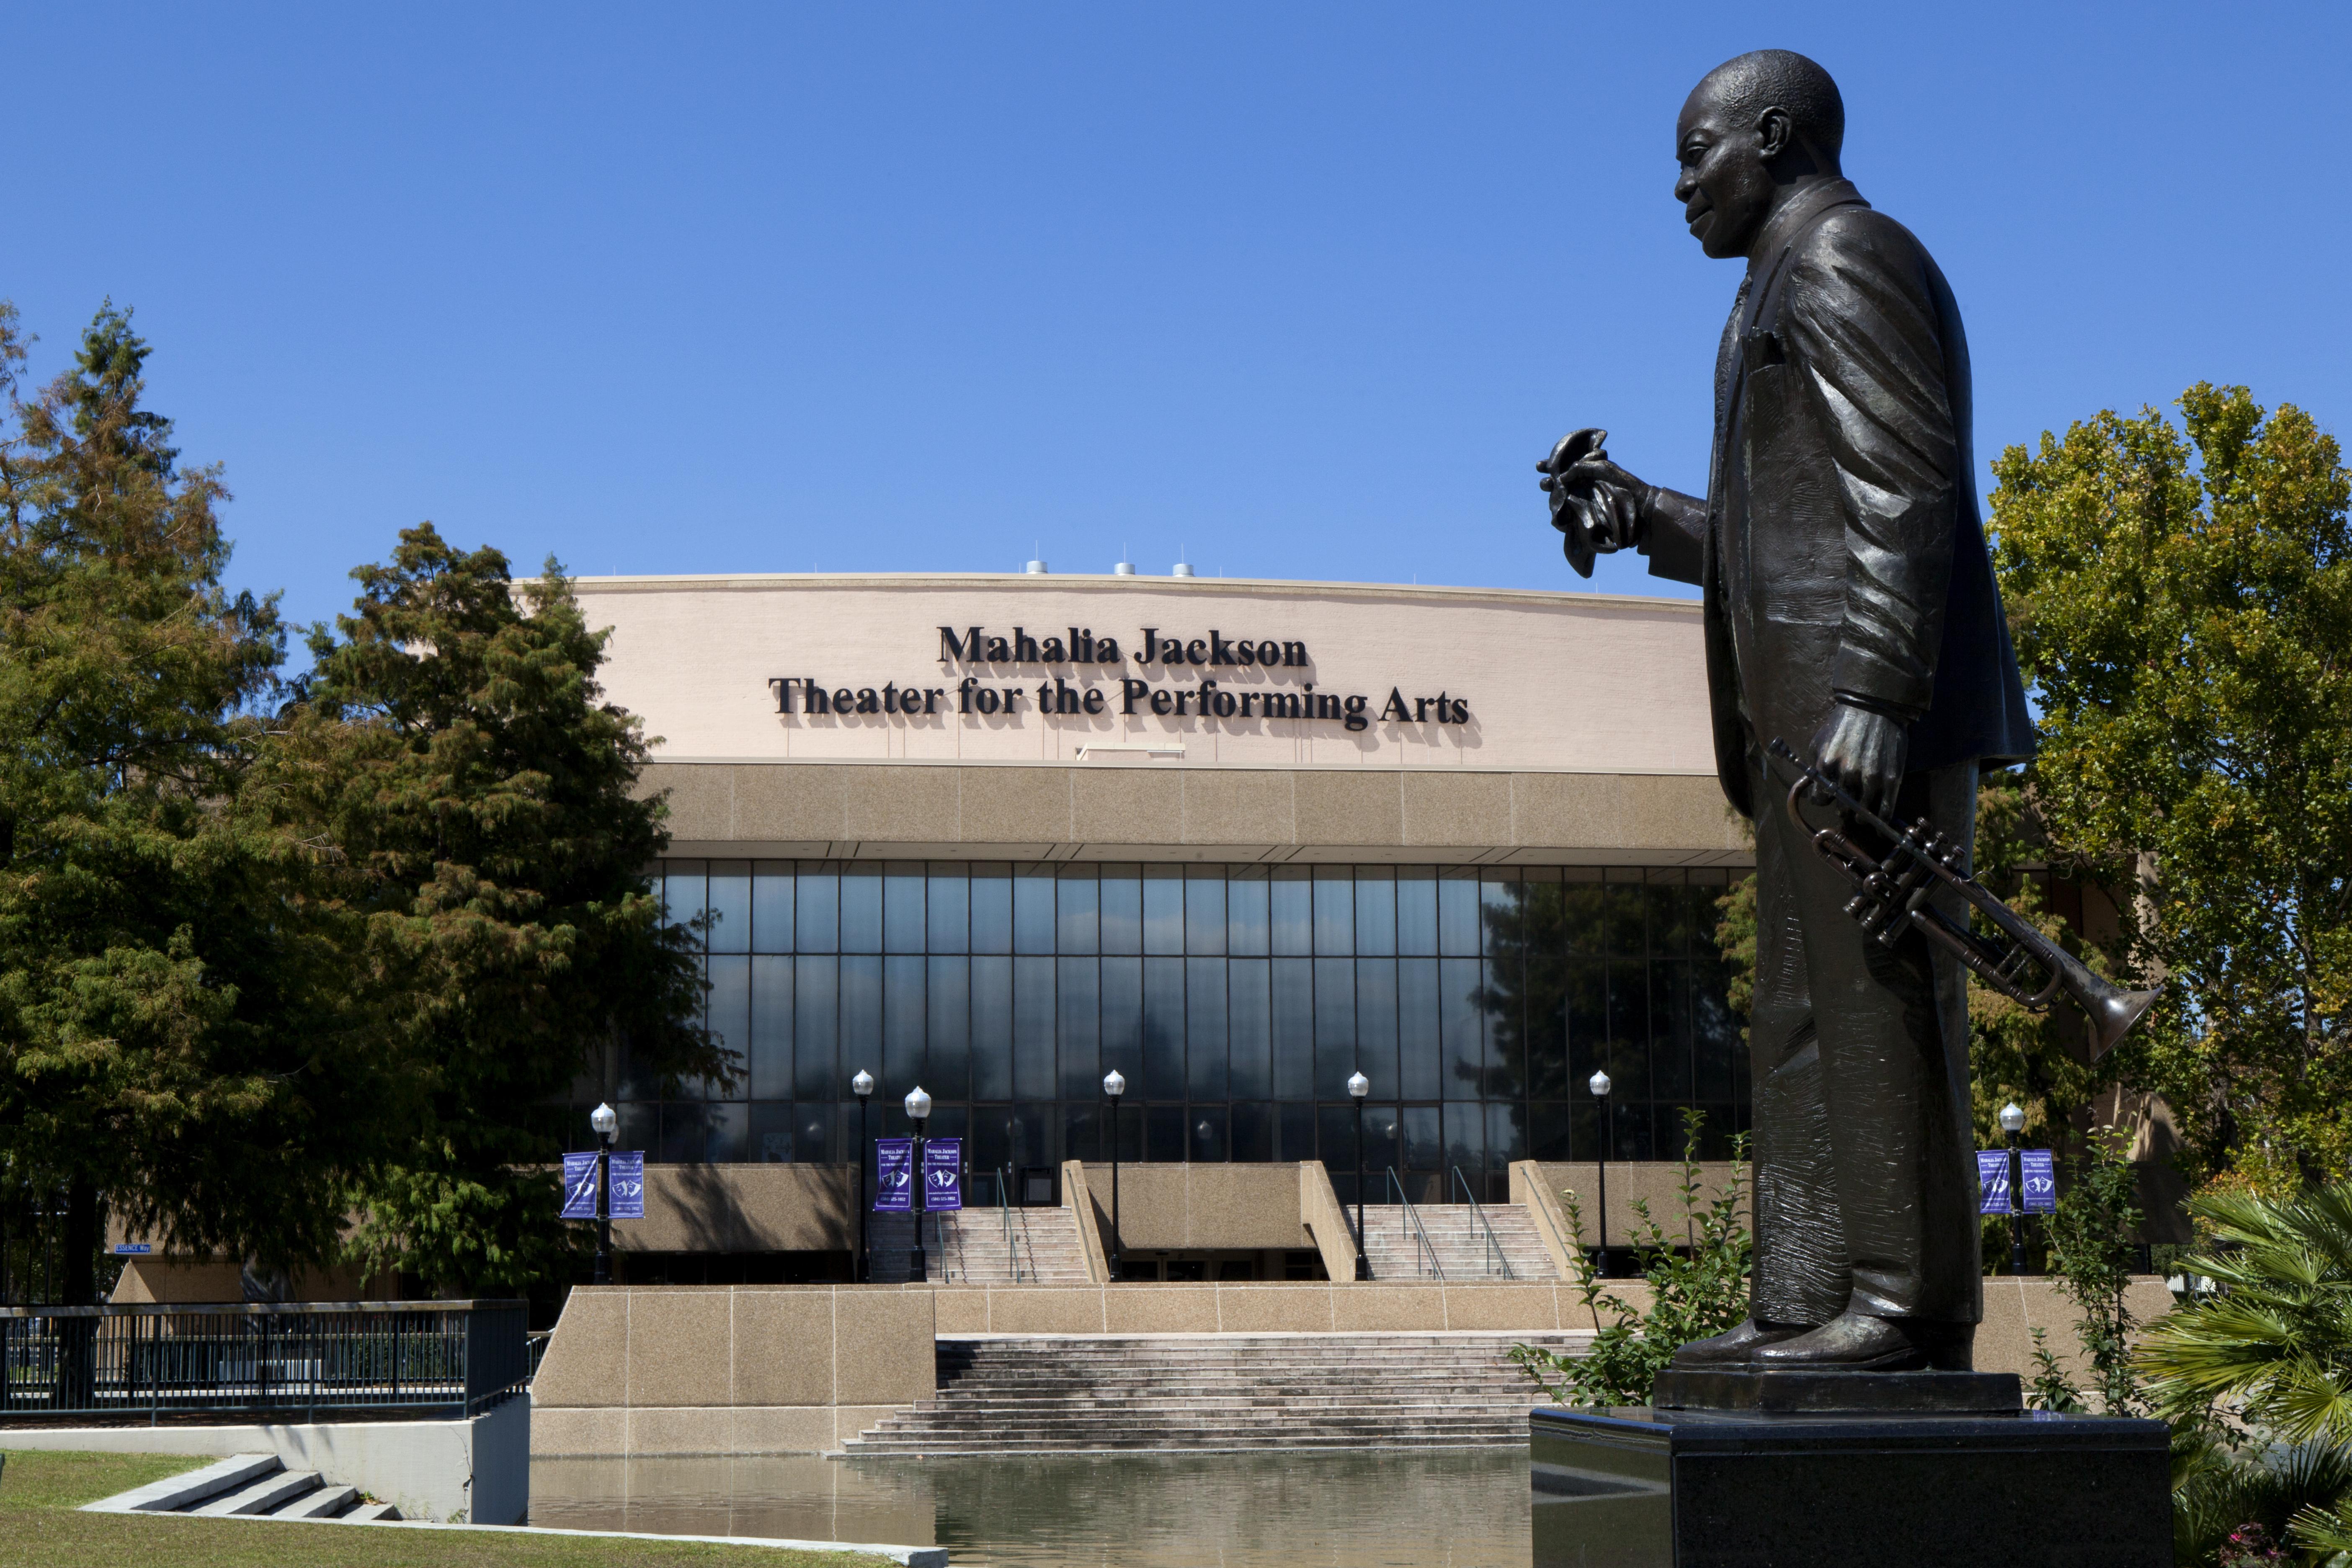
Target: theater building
[{"x": 1238, "y": 840}]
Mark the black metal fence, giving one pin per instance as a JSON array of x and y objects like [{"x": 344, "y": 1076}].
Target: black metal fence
[{"x": 302, "y": 1361}]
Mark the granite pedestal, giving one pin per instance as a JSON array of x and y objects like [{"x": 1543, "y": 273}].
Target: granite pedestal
[{"x": 1643, "y": 1487}]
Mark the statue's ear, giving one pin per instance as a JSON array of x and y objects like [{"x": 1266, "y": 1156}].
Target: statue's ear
[{"x": 1776, "y": 132}]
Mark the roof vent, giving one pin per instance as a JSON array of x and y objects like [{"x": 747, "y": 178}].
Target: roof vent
[
  {"x": 1037, "y": 569},
  {"x": 1124, "y": 569},
  {"x": 1180, "y": 570}
]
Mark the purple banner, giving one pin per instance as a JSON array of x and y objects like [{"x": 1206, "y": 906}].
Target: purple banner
[
  {"x": 894, "y": 1175},
  {"x": 943, "y": 1174},
  {"x": 580, "y": 1186},
  {"x": 629, "y": 1185},
  {"x": 2041, "y": 1181}
]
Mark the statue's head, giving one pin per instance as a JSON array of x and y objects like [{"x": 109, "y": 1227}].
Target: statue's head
[{"x": 1751, "y": 129}]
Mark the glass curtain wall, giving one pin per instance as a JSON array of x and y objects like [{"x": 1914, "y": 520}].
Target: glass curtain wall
[{"x": 1235, "y": 1000}]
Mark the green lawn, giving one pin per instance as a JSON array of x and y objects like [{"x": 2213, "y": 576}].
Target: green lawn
[{"x": 40, "y": 1528}]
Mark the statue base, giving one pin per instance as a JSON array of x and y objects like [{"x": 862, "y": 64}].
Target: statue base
[
  {"x": 1713, "y": 1489},
  {"x": 1838, "y": 1393}
]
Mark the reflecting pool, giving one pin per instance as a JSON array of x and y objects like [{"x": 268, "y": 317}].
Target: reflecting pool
[{"x": 1386, "y": 1510}]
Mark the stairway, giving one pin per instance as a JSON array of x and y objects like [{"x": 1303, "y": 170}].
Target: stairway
[
  {"x": 254, "y": 1486},
  {"x": 1462, "y": 1255},
  {"x": 1218, "y": 1392},
  {"x": 968, "y": 1246}
]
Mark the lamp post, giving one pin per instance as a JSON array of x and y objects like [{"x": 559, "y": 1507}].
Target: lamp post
[
  {"x": 605, "y": 1122},
  {"x": 862, "y": 1086},
  {"x": 1359, "y": 1085},
  {"x": 1599, "y": 1084},
  {"x": 2012, "y": 1121},
  {"x": 1113, "y": 1087},
  {"x": 919, "y": 1111}
]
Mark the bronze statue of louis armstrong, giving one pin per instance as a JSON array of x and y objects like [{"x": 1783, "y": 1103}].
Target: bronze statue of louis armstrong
[{"x": 1851, "y": 608}]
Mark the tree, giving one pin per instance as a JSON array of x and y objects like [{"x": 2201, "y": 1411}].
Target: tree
[
  {"x": 2181, "y": 600},
  {"x": 451, "y": 743},
  {"x": 167, "y": 1033}
]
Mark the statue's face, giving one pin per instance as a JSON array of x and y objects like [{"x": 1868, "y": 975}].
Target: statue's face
[{"x": 1726, "y": 186}]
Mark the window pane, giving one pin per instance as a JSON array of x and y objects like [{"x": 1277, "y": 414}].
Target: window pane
[
  {"x": 1416, "y": 890},
  {"x": 1458, "y": 914},
  {"x": 1376, "y": 1024},
  {"x": 1208, "y": 1133},
  {"x": 1250, "y": 1022},
  {"x": 685, "y": 886},
  {"x": 1335, "y": 1026},
  {"x": 1294, "y": 1029},
  {"x": 815, "y": 1025},
  {"x": 1077, "y": 911},
  {"x": 1335, "y": 911},
  {"x": 771, "y": 1131},
  {"x": 730, "y": 906},
  {"x": 861, "y": 909},
  {"x": 1466, "y": 1144},
  {"x": 949, "y": 908},
  {"x": 728, "y": 1138},
  {"x": 817, "y": 907},
  {"x": 1204, "y": 1032},
  {"x": 1291, "y": 897},
  {"x": 1629, "y": 1031},
  {"x": 1246, "y": 913},
  {"x": 813, "y": 1139},
  {"x": 1462, "y": 1047},
  {"x": 771, "y": 909},
  {"x": 991, "y": 909},
  {"x": 1204, "y": 910},
  {"x": 902, "y": 908},
  {"x": 1163, "y": 909},
  {"x": 992, "y": 1029},
  {"x": 947, "y": 1053},
  {"x": 1417, "y": 1029},
  {"x": 1033, "y": 1028},
  {"x": 771, "y": 1028},
  {"x": 1498, "y": 901},
  {"x": 1375, "y": 912},
  {"x": 1506, "y": 1134},
  {"x": 1627, "y": 908},
  {"x": 861, "y": 1026},
  {"x": 1077, "y": 1017},
  {"x": 1122, "y": 909},
  {"x": 1580, "y": 919},
  {"x": 904, "y": 1015},
  {"x": 727, "y": 1012},
  {"x": 1164, "y": 1027},
  {"x": 1253, "y": 1130},
  {"x": 1033, "y": 910},
  {"x": 1122, "y": 1023}
]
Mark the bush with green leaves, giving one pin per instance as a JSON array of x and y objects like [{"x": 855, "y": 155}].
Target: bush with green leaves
[{"x": 1697, "y": 1290}]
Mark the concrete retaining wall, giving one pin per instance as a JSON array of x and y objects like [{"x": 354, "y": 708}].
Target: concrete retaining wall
[{"x": 476, "y": 1471}]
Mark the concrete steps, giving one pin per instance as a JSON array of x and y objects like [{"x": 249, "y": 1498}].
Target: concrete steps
[
  {"x": 1224, "y": 1392},
  {"x": 969, "y": 1246},
  {"x": 1458, "y": 1242},
  {"x": 252, "y": 1485}
]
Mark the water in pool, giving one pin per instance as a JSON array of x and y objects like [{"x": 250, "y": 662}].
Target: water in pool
[{"x": 1392, "y": 1509}]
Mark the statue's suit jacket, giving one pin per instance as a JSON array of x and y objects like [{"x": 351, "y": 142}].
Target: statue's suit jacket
[{"x": 1841, "y": 550}]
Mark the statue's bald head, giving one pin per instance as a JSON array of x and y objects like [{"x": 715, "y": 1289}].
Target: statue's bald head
[
  {"x": 1754, "y": 133},
  {"x": 1742, "y": 88}
]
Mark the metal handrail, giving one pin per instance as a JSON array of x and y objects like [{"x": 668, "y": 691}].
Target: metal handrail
[
  {"x": 1495, "y": 1254},
  {"x": 1012, "y": 1243},
  {"x": 1413, "y": 1220}
]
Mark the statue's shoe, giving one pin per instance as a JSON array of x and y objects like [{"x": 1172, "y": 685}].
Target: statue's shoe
[
  {"x": 1855, "y": 1342},
  {"x": 1736, "y": 1348}
]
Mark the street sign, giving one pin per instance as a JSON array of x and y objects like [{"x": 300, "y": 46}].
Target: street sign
[
  {"x": 580, "y": 1186},
  {"x": 894, "y": 1175},
  {"x": 2041, "y": 1180},
  {"x": 629, "y": 1185},
  {"x": 133, "y": 1248},
  {"x": 944, "y": 1174}
]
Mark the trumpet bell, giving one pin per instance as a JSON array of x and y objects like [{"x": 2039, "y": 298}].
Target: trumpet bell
[{"x": 2111, "y": 1011}]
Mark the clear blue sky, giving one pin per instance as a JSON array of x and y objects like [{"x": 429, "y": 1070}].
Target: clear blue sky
[{"x": 1303, "y": 290}]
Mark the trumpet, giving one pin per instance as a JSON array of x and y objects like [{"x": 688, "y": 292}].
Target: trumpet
[{"x": 1892, "y": 894}]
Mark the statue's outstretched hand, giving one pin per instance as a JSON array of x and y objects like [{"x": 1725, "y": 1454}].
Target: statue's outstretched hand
[{"x": 1594, "y": 502}]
